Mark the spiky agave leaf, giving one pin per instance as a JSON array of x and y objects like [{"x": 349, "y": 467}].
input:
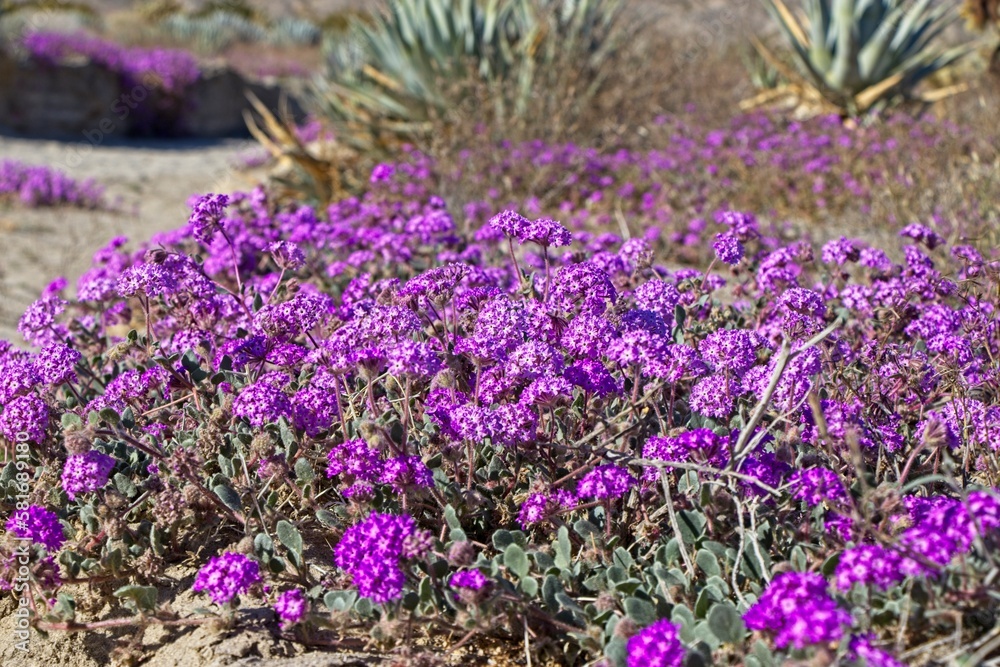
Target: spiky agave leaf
[
  {"x": 393, "y": 75},
  {"x": 862, "y": 53}
]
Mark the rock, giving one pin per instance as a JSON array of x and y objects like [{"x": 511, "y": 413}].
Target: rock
[
  {"x": 86, "y": 101},
  {"x": 62, "y": 100}
]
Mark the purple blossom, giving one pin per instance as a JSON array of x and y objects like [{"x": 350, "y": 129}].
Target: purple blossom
[
  {"x": 728, "y": 249},
  {"x": 713, "y": 397},
  {"x": 371, "y": 552},
  {"x": 264, "y": 401},
  {"x": 656, "y": 645},
  {"x": 25, "y": 419},
  {"x": 382, "y": 173},
  {"x": 868, "y": 564},
  {"x": 226, "y": 576},
  {"x": 38, "y": 525},
  {"x": 287, "y": 255},
  {"x": 472, "y": 580},
  {"x": 406, "y": 472},
  {"x": 922, "y": 234},
  {"x": 355, "y": 461},
  {"x": 732, "y": 349},
  {"x": 603, "y": 482},
  {"x": 88, "y": 472},
  {"x": 206, "y": 216},
  {"x": 700, "y": 443},
  {"x": 816, "y": 485},
  {"x": 797, "y": 610},
  {"x": 55, "y": 363},
  {"x": 863, "y": 648},
  {"x": 291, "y": 607}
]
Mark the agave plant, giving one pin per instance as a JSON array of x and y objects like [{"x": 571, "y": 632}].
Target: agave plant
[
  {"x": 400, "y": 70},
  {"x": 859, "y": 54}
]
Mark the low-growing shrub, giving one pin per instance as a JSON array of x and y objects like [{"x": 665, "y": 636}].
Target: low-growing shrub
[
  {"x": 43, "y": 186},
  {"x": 519, "y": 429},
  {"x": 163, "y": 74}
]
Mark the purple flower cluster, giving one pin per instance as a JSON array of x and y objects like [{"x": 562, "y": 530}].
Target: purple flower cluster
[
  {"x": 38, "y": 525},
  {"x": 657, "y": 645},
  {"x": 816, "y": 485},
  {"x": 544, "y": 231},
  {"x": 25, "y": 419},
  {"x": 359, "y": 467},
  {"x": 798, "y": 611},
  {"x": 604, "y": 482},
  {"x": 473, "y": 580},
  {"x": 728, "y": 249},
  {"x": 226, "y": 576},
  {"x": 170, "y": 69},
  {"x": 868, "y": 564},
  {"x": 84, "y": 473},
  {"x": 43, "y": 186},
  {"x": 291, "y": 606},
  {"x": 371, "y": 552}
]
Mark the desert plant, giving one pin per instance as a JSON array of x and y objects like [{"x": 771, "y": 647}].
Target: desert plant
[
  {"x": 405, "y": 67},
  {"x": 857, "y": 54}
]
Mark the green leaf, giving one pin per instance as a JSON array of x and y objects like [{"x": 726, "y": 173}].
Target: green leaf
[
  {"x": 69, "y": 419},
  {"x": 426, "y": 590},
  {"x": 708, "y": 563},
  {"x": 623, "y": 558},
  {"x": 340, "y": 600},
  {"x": 110, "y": 416},
  {"x": 616, "y": 574},
  {"x": 586, "y": 529},
  {"x": 692, "y": 525},
  {"x": 641, "y": 611},
  {"x": 550, "y": 587},
  {"x": 125, "y": 486},
  {"x": 156, "y": 541},
  {"x": 726, "y": 623},
  {"x": 703, "y": 633},
  {"x": 191, "y": 364},
  {"x": 263, "y": 547},
  {"x": 451, "y": 518},
  {"x": 799, "y": 560},
  {"x": 364, "y": 606},
  {"x": 563, "y": 548},
  {"x": 616, "y": 651},
  {"x": 304, "y": 472},
  {"x": 516, "y": 560},
  {"x": 502, "y": 539},
  {"x": 143, "y": 596},
  {"x": 66, "y": 606},
  {"x": 529, "y": 586},
  {"x": 327, "y": 518},
  {"x": 292, "y": 539},
  {"x": 763, "y": 653},
  {"x": 229, "y": 497},
  {"x": 226, "y": 466}
]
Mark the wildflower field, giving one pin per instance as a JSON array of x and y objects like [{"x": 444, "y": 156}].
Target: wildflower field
[{"x": 725, "y": 395}]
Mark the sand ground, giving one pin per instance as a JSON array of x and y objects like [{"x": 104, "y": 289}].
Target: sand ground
[{"x": 148, "y": 183}]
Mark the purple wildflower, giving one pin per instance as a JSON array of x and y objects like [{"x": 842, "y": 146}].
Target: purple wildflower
[
  {"x": 657, "y": 645},
  {"x": 88, "y": 472},
  {"x": 226, "y": 576},
  {"x": 291, "y": 606},
  {"x": 38, "y": 525},
  {"x": 797, "y": 609},
  {"x": 728, "y": 249},
  {"x": 606, "y": 481}
]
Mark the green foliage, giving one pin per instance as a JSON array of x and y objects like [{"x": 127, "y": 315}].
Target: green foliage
[
  {"x": 859, "y": 54},
  {"x": 395, "y": 74}
]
